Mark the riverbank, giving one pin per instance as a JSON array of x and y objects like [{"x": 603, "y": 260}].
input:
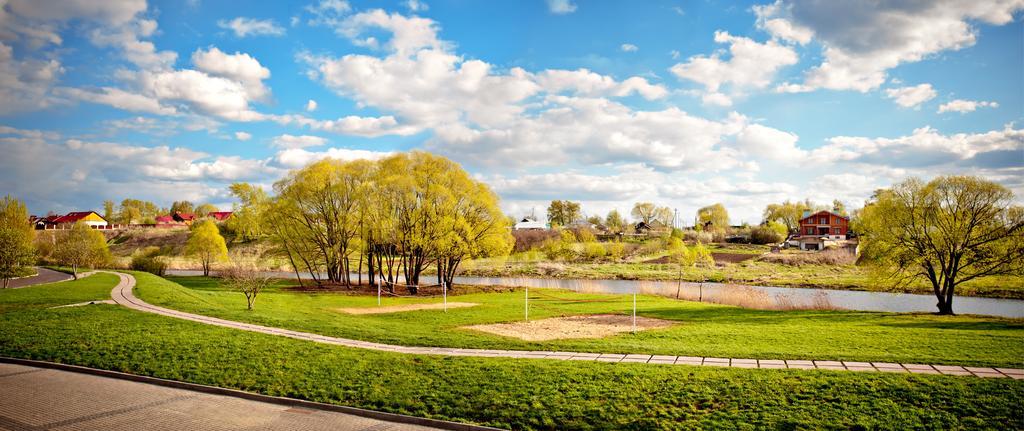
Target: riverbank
[{"x": 751, "y": 272}]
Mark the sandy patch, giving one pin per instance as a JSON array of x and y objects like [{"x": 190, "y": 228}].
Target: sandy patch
[
  {"x": 401, "y": 308},
  {"x": 558, "y": 328}
]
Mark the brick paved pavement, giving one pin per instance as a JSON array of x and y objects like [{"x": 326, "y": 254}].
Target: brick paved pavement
[
  {"x": 46, "y": 399},
  {"x": 122, "y": 294}
]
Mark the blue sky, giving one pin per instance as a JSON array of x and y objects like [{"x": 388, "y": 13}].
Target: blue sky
[{"x": 682, "y": 103}]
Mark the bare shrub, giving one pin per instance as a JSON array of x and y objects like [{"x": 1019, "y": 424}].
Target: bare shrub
[
  {"x": 695, "y": 236},
  {"x": 247, "y": 280},
  {"x": 550, "y": 268},
  {"x": 531, "y": 239},
  {"x": 831, "y": 256}
]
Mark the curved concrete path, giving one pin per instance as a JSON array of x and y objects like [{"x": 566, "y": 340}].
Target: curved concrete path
[
  {"x": 42, "y": 276},
  {"x": 123, "y": 295}
]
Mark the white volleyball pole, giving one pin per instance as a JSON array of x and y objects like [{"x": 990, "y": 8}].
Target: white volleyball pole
[
  {"x": 527, "y": 308},
  {"x": 634, "y": 312},
  {"x": 378, "y": 292},
  {"x": 444, "y": 288}
]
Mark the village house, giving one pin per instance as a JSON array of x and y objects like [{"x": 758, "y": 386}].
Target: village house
[
  {"x": 219, "y": 215},
  {"x": 186, "y": 218},
  {"x": 820, "y": 230},
  {"x": 529, "y": 224},
  {"x": 90, "y": 218}
]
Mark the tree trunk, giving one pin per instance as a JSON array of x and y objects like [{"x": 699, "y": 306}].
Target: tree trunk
[{"x": 74, "y": 271}]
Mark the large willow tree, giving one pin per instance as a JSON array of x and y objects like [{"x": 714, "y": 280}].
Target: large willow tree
[
  {"x": 396, "y": 217},
  {"x": 948, "y": 231}
]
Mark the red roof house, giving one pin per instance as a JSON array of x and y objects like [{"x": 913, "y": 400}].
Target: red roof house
[
  {"x": 186, "y": 218},
  {"x": 90, "y": 218},
  {"x": 821, "y": 229},
  {"x": 219, "y": 215}
]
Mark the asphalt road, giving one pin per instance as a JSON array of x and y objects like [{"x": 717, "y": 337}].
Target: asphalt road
[
  {"x": 44, "y": 276},
  {"x": 45, "y": 399}
]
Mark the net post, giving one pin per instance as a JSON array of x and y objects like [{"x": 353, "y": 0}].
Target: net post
[
  {"x": 634, "y": 312},
  {"x": 378, "y": 292},
  {"x": 444, "y": 290},
  {"x": 526, "y": 308}
]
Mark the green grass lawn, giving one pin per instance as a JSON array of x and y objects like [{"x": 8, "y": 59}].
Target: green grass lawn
[
  {"x": 94, "y": 287},
  {"x": 519, "y": 394},
  {"x": 701, "y": 329},
  {"x": 850, "y": 277}
]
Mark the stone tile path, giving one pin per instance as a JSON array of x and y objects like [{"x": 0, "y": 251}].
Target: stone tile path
[{"x": 122, "y": 294}]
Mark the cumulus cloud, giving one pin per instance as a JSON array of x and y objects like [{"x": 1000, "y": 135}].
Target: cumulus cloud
[
  {"x": 751, "y": 65},
  {"x": 862, "y": 40},
  {"x": 26, "y": 85},
  {"x": 297, "y": 157},
  {"x": 243, "y": 136},
  {"x": 416, "y": 6},
  {"x": 964, "y": 106},
  {"x": 287, "y": 141},
  {"x": 561, "y": 6},
  {"x": 239, "y": 67},
  {"x": 628, "y": 47},
  {"x": 911, "y": 97},
  {"x": 243, "y": 27},
  {"x": 311, "y": 105},
  {"x": 926, "y": 147},
  {"x": 43, "y": 167}
]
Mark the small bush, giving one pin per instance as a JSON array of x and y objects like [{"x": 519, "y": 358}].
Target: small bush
[
  {"x": 831, "y": 256},
  {"x": 532, "y": 239},
  {"x": 148, "y": 260},
  {"x": 594, "y": 251},
  {"x": 695, "y": 236},
  {"x": 585, "y": 235},
  {"x": 765, "y": 235},
  {"x": 616, "y": 250}
]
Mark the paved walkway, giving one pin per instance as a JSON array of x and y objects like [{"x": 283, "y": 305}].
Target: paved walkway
[
  {"x": 44, "y": 399},
  {"x": 122, "y": 294},
  {"x": 44, "y": 276}
]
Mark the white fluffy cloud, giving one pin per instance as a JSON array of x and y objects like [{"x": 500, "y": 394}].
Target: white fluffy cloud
[
  {"x": 561, "y": 6},
  {"x": 964, "y": 106},
  {"x": 911, "y": 97},
  {"x": 243, "y": 27},
  {"x": 243, "y": 136},
  {"x": 926, "y": 147},
  {"x": 298, "y": 157},
  {"x": 751, "y": 65},
  {"x": 239, "y": 67},
  {"x": 416, "y": 6},
  {"x": 51, "y": 173},
  {"x": 311, "y": 105},
  {"x": 629, "y": 47},
  {"x": 862, "y": 40},
  {"x": 287, "y": 141}
]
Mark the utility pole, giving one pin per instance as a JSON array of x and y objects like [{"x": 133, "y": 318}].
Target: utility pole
[{"x": 675, "y": 216}]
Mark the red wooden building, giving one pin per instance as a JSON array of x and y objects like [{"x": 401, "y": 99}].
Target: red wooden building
[{"x": 822, "y": 228}]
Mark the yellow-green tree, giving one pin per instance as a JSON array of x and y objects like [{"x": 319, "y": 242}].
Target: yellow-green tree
[
  {"x": 81, "y": 246},
  {"x": 206, "y": 244},
  {"x": 249, "y": 215},
  {"x": 697, "y": 257},
  {"x": 948, "y": 231},
  {"x": 713, "y": 218},
  {"x": 788, "y": 213},
  {"x": 17, "y": 250},
  {"x": 614, "y": 222},
  {"x": 205, "y": 210}
]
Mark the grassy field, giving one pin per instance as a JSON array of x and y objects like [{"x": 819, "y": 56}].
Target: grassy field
[
  {"x": 752, "y": 272},
  {"x": 701, "y": 329},
  {"x": 518, "y": 394}
]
